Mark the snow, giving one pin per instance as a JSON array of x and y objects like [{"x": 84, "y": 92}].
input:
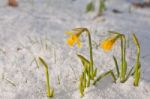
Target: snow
[{"x": 37, "y": 28}]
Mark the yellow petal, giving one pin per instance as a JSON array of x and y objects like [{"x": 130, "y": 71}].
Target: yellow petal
[
  {"x": 70, "y": 42},
  {"x": 74, "y": 38},
  {"x": 69, "y": 33}
]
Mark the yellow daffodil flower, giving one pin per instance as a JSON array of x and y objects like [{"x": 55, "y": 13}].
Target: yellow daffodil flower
[
  {"x": 108, "y": 43},
  {"x": 74, "y": 38}
]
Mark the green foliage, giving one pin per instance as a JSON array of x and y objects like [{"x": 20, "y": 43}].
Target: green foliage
[
  {"x": 50, "y": 92},
  {"x": 102, "y": 7},
  {"x": 122, "y": 73},
  {"x": 117, "y": 67},
  {"x": 84, "y": 61},
  {"x": 90, "y": 7},
  {"x": 110, "y": 72},
  {"x": 89, "y": 72},
  {"x": 137, "y": 66}
]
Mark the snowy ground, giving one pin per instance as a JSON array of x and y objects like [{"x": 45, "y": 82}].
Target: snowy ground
[{"x": 38, "y": 29}]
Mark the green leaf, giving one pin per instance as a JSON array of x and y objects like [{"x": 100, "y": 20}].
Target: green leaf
[
  {"x": 117, "y": 67},
  {"x": 137, "y": 76},
  {"x": 90, "y": 7},
  {"x": 114, "y": 32},
  {"x": 83, "y": 79},
  {"x": 89, "y": 78},
  {"x": 125, "y": 67},
  {"x": 137, "y": 64},
  {"x": 129, "y": 74},
  {"x": 104, "y": 75},
  {"x": 81, "y": 87},
  {"x": 52, "y": 93},
  {"x": 43, "y": 62},
  {"x": 84, "y": 61},
  {"x": 135, "y": 40},
  {"x": 95, "y": 72}
]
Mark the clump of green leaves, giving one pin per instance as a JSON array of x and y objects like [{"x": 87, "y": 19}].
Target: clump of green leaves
[
  {"x": 123, "y": 67},
  {"x": 102, "y": 7},
  {"x": 87, "y": 75},
  {"x": 50, "y": 92},
  {"x": 107, "y": 46},
  {"x": 90, "y": 6},
  {"x": 83, "y": 83},
  {"x": 122, "y": 74},
  {"x": 89, "y": 71}
]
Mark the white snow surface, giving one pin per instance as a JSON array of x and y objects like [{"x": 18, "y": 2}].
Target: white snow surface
[{"x": 37, "y": 28}]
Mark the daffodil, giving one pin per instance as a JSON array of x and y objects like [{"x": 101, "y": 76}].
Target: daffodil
[
  {"x": 89, "y": 71},
  {"x": 74, "y": 38},
  {"x": 108, "y": 43}
]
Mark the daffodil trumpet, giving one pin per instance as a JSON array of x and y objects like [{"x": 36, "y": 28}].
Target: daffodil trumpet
[
  {"x": 137, "y": 66},
  {"x": 108, "y": 43}
]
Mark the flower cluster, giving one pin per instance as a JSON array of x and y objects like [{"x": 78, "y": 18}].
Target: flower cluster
[{"x": 89, "y": 71}]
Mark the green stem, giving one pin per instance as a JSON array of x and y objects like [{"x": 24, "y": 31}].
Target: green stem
[
  {"x": 137, "y": 64},
  {"x": 124, "y": 57},
  {"x": 123, "y": 60},
  {"x": 91, "y": 53},
  {"x": 137, "y": 68},
  {"x": 128, "y": 75},
  {"x": 121, "y": 71},
  {"x": 89, "y": 76}
]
